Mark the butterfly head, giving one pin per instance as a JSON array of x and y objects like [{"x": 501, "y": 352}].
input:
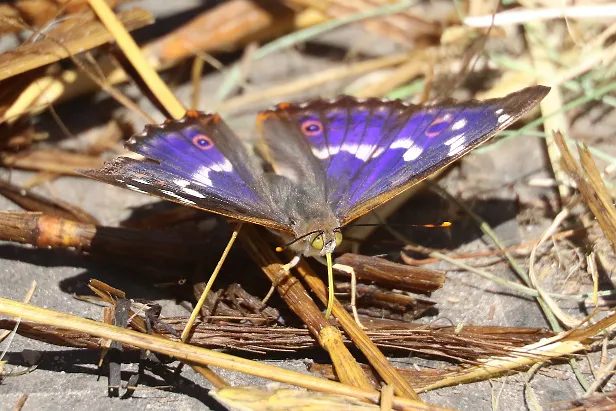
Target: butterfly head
[
  {"x": 323, "y": 242},
  {"x": 317, "y": 242}
]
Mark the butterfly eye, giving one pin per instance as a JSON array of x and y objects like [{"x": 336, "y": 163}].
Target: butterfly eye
[
  {"x": 316, "y": 241},
  {"x": 338, "y": 237},
  {"x": 203, "y": 142},
  {"x": 312, "y": 128}
]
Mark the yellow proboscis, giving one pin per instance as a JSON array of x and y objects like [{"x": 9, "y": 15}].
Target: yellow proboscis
[{"x": 330, "y": 286}]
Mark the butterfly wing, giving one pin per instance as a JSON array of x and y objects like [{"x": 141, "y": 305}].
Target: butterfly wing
[
  {"x": 200, "y": 162},
  {"x": 372, "y": 150}
]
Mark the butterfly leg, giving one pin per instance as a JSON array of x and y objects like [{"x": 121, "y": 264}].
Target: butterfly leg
[
  {"x": 291, "y": 264},
  {"x": 349, "y": 270},
  {"x": 287, "y": 269}
]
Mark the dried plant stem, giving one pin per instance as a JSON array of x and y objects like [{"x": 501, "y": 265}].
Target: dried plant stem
[
  {"x": 195, "y": 74},
  {"x": 44, "y": 91},
  {"x": 387, "y": 393},
  {"x": 210, "y": 375},
  {"x": 489, "y": 276},
  {"x": 191, "y": 354},
  {"x": 136, "y": 58},
  {"x": 489, "y": 253},
  {"x": 50, "y": 160},
  {"x": 302, "y": 35},
  {"x": 485, "y": 227},
  {"x": 561, "y": 345},
  {"x": 565, "y": 318},
  {"x": 463, "y": 346},
  {"x": 532, "y": 14},
  {"x": 210, "y": 282},
  {"x": 590, "y": 61},
  {"x": 6, "y": 333},
  {"x": 532, "y": 398},
  {"x": 605, "y": 373},
  {"x": 314, "y": 80},
  {"x": 376, "y": 358},
  {"x": 54, "y": 47},
  {"x": 536, "y": 34},
  {"x": 545, "y": 308},
  {"x": 166, "y": 98},
  {"x": 20, "y": 402},
  {"x": 296, "y": 297},
  {"x": 414, "y": 67},
  {"x": 591, "y": 187}
]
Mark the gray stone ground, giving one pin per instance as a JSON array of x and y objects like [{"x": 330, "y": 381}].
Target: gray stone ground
[{"x": 68, "y": 379}]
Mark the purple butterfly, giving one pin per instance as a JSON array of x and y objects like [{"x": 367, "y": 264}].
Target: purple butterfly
[{"x": 333, "y": 160}]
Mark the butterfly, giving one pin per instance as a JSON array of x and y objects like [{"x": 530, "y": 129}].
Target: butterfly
[{"x": 324, "y": 163}]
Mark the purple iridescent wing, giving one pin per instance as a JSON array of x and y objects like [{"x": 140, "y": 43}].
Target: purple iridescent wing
[
  {"x": 197, "y": 161},
  {"x": 371, "y": 150}
]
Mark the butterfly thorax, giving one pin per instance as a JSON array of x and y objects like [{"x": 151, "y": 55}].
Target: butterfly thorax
[{"x": 314, "y": 224}]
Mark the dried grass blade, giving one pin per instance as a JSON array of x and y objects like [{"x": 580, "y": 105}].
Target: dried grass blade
[
  {"x": 562, "y": 345},
  {"x": 591, "y": 186},
  {"x": 50, "y": 160},
  {"x": 56, "y": 46},
  {"x": 54, "y": 207},
  {"x": 191, "y": 354}
]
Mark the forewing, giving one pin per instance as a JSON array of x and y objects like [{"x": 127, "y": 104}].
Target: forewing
[
  {"x": 372, "y": 150},
  {"x": 197, "y": 161}
]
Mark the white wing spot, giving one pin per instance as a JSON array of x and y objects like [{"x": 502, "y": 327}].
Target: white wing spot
[
  {"x": 322, "y": 153},
  {"x": 458, "y": 125},
  {"x": 456, "y": 150},
  {"x": 142, "y": 181},
  {"x": 192, "y": 192},
  {"x": 364, "y": 152},
  {"x": 503, "y": 118},
  {"x": 203, "y": 173},
  {"x": 454, "y": 139},
  {"x": 360, "y": 151},
  {"x": 182, "y": 199},
  {"x": 405, "y": 142},
  {"x": 119, "y": 180},
  {"x": 378, "y": 152},
  {"x": 224, "y": 166},
  {"x": 412, "y": 153},
  {"x": 181, "y": 183},
  {"x": 132, "y": 187},
  {"x": 412, "y": 150},
  {"x": 202, "y": 176},
  {"x": 457, "y": 145},
  {"x": 499, "y": 111}
]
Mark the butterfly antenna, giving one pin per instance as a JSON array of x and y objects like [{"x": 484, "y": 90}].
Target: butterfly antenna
[
  {"x": 441, "y": 225},
  {"x": 208, "y": 286},
  {"x": 280, "y": 249},
  {"x": 330, "y": 286}
]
